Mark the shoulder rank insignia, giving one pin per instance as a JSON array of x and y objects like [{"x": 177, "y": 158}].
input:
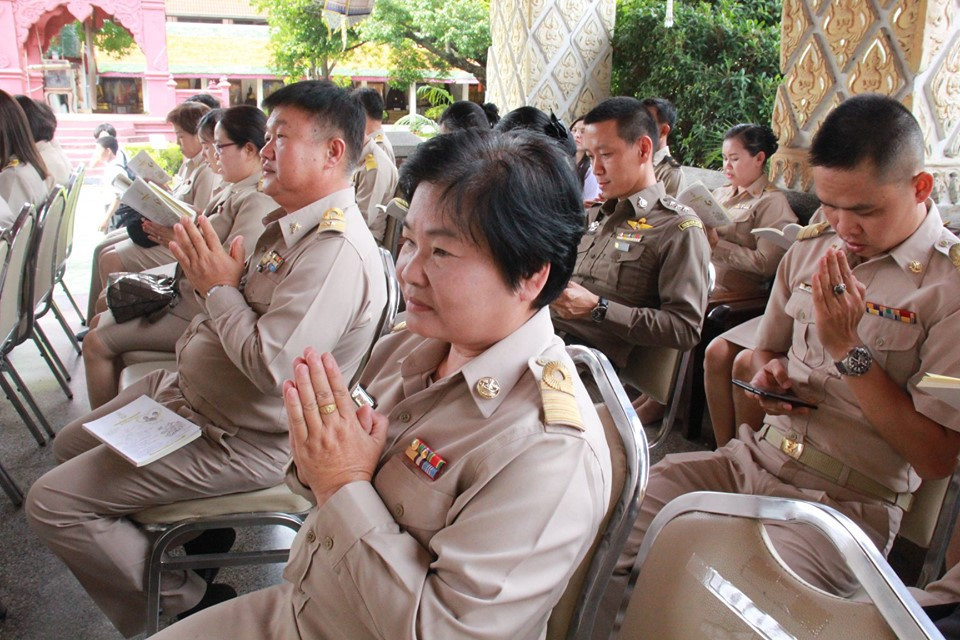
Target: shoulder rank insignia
[
  {"x": 955, "y": 255},
  {"x": 425, "y": 458},
  {"x": 672, "y": 162},
  {"x": 260, "y": 184},
  {"x": 692, "y": 222},
  {"x": 400, "y": 326},
  {"x": 271, "y": 261},
  {"x": 675, "y": 205},
  {"x": 370, "y": 162},
  {"x": 812, "y": 230},
  {"x": 559, "y": 399},
  {"x": 333, "y": 219},
  {"x": 379, "y": 137},
  {"x": 13, "y": 162},
  {"x": 637, "y": 225}
]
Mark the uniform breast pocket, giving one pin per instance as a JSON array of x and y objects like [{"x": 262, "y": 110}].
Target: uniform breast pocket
[
  {"x": 804, "y": 344},
  {"x": 894, "y": 345},
  {"x": 630, "y": 272},
  {"x": 416, "y": 506},
  {"x": 258, "y": 290}
]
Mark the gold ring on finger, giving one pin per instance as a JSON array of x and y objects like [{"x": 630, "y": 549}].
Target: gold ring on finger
[{"x": 327, "y": 409}]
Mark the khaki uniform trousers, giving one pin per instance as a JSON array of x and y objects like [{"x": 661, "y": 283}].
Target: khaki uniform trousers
[
  {"x": 112, "y": 238},
  {"x": 734, "y": 469},
  {"x": 79, "y": 507},
  {"x": 265, "y": 614}
]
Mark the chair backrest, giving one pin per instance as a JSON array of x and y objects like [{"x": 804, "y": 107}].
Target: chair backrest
[
  {"x": 929, "y": 522},
  {"x": 574, "y": 614},
  {"x": 42, "y": 264},
  {"x": 20, "y": 239},
  {"x": 706, "y": 563},
  {"x": 65, "y": 246},
  {"x": 396, "y": 211},
  {"x": 390, "y": 310}
]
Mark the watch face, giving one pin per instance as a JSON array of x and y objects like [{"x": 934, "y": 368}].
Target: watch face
[{"x": 856, "y": 363}]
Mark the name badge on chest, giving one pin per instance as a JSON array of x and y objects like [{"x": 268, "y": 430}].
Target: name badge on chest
[{"x": 271, "y": 261}]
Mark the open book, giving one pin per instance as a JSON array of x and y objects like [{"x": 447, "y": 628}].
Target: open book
[
  {"x": 155, "y": 204},
  {"x": 699, "y": 198},
  {"x": 143, "y": 431},
  {"x": 783, "y": 238},
  {"x": 144, "y": 166},
  {"x": 943, "y": 387}
]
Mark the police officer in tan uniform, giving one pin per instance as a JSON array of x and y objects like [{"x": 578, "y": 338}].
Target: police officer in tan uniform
[
  {"x": 194, "y": 184},
  {"x": 858, "y": 313},
  {"x": 641, "y": 275},
  {"x": 314, "y": 278},
  {"x": 667, "y": 170},
  {"x": 463, "y": 505}
]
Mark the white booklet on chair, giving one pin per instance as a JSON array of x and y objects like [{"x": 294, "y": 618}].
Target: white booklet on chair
[{"x": 143, "y": 431}]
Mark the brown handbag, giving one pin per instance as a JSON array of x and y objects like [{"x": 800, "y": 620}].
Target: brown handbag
[{"x": 135, "y": 295}]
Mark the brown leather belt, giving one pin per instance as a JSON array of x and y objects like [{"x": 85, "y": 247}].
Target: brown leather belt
[{"x": 833, "y": 469}]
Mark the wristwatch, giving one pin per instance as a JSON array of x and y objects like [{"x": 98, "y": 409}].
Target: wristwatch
[
  {"x": 856, "y": 363},
  {"x": 599, "y": 312}
]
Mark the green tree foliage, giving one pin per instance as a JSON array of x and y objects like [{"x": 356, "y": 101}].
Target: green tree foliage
[
  {"x": 431, "y": 34},
  {"x": 719, "y": 64},
  {"x": 111, "y": 38},
  {"x": 304, "y": 45}
]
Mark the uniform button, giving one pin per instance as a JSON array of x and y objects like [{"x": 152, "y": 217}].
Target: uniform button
[
  {"x": 879, "y": 342},
  {"x": 398, "y": 510},
  {"x": 802, "y": 315},
  {"x": 404, "y": 417},
  {"x": 311, "y": 537},
  {"x": 328, "y": 543}
]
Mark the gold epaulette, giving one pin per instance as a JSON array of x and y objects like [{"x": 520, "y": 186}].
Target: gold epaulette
[
  {"x": 955, "y": 255},
  {"x": 559, "y": 398},
  {"x": 333, "y": 219},
  {"x": 370, "y": 162},
  {"x": 400, "y": 326},
  {"x": 379, "y": 137},
  {"x": 13, "y": 162},
  {"x": 812, "y": 231}
]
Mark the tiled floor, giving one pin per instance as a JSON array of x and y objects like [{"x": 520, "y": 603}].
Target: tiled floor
[{"x": 43, "y": 599}]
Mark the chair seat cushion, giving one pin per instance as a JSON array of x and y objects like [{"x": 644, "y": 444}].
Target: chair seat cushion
[
  {"x": 134, "y": 372},
  {"x": 278, "y": 498},
  {"x": 135, "y": 357}
]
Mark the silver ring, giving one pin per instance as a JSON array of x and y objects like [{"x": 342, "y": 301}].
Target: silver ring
[{"x": 840, "y": 289}]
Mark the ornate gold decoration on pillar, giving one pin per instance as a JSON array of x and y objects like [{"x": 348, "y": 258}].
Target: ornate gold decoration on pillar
[{"x": 845, "y": 24}]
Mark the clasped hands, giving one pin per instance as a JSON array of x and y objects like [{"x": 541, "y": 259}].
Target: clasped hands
[
  {"x": 333, "y": 442},
  {"x": 837, "y": 313},
  {"x": 202, "y": 257}
]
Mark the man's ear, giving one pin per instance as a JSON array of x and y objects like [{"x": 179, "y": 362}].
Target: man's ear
[
  {"x": 923, "y": 186},
  {"x": 644, "y": 146},
  {"x": 664, "y": 131},
  {"x": 336, "y": 152}
]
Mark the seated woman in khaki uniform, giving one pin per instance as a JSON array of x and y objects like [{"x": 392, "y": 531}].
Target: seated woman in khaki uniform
[
  {"x": 193, "y": 184},
  {"x": 237, "y": 211},
  {"x": 461, "y": 506},
  {"x": 22, "y": 171}
]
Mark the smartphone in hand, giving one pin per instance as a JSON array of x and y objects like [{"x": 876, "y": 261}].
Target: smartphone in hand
[{"x": 772, "y": 395}]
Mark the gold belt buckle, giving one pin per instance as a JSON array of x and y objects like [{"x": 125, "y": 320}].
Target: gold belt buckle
[{"x": 791, "y": 447}]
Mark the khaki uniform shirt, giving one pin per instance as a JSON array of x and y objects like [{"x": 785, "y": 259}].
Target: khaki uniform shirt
[
  {"x": 326, "y": 290},
  {"x": 195, "y": 182},
  {"x": 58, "y": 165},
  {"x": 917, "y": 278},
  {"x": 742, "y": 262},
  {"x": 376, "y": 183},
  {"x": 384, "y": 143},
  {"x": 654, "y": 275},
  {"x": 484, "y": 550},
  {"x": 668, "y": 171},
  {"x": 20, "y": 183}
]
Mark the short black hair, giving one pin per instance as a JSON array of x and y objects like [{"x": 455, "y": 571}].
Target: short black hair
[
  {"x": 754, "y": 138},
  {"x": 330, "y": 105},
  {"x": 536, "y": 120},
  {"x": 870, "y": 128},
  {"x": 665, "y": 110},
  {"x": 464, "y": 114},
  {"x": 633, "y": 119},
  {"x": 208, "y": 123},
  {"x": 493, "y": 113},
  {"x": 107, "y": 128},
  {"x": 244, "y": 123},
  {"x": 371, "y": 101},
  {"x": 205, "y": 98},
  {"x": 109, "y": 142},
  {"x": 503, "y": 190},
  {"x": 43, "y": 124}
]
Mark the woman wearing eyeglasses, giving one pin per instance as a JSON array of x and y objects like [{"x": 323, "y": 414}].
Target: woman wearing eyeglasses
[{"x": 237, "y": 211}]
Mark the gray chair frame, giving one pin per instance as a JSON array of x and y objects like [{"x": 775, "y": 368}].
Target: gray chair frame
[
  {"x": 65, "y": 246},
  {"x": 6, "y": 480},
  {"x": 627, "y": 505},
  {"x": 948, "y": 492},
  {"x": 396, "y": 210},
  {"x": 898, "y": 608}
]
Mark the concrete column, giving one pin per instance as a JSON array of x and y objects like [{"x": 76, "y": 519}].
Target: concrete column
[
  {"x": 158, "y": 98},
  {"x": 412, "y": 98},
  {"x": 259, "y": 89},
  {"x": 834, "y": 49},
  {"x": 552, "y": 54},
  {"x": 12, "y": 75},
  {"x": 464, "y": 91}
]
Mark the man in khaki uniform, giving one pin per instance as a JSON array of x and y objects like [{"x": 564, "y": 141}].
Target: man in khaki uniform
[
  {"x": 376, "y": 183},
  {"x": 373, "y": 107},
  {"x": 462, "y": 507},
  {"x": 641, "y": 274},
  {"x": 314, "y": 278},
  {"x": 667, "y": 170},
  {"x": 857, "y": 314}
]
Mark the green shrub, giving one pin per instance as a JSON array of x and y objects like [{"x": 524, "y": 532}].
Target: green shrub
[
  {"x": 169, "y": 158},
  {"x": 719, "y": 64}
]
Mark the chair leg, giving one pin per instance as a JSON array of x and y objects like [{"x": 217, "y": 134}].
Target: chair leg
[
  {"x": 22, "y": 387},
  {"x": 16, "y": 497},
  {"x": 53, "y": 361},
  {"x": 20, "y": 409},
  {"x": 76, "y": 307},
  {"x": 66, "y": 327}
]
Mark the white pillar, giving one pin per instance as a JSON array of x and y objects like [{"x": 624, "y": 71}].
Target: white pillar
[
  {"x": 412, "y": 98},
  {"x": 464, "y": 91},
  {"x": 259, "y": 90}
]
